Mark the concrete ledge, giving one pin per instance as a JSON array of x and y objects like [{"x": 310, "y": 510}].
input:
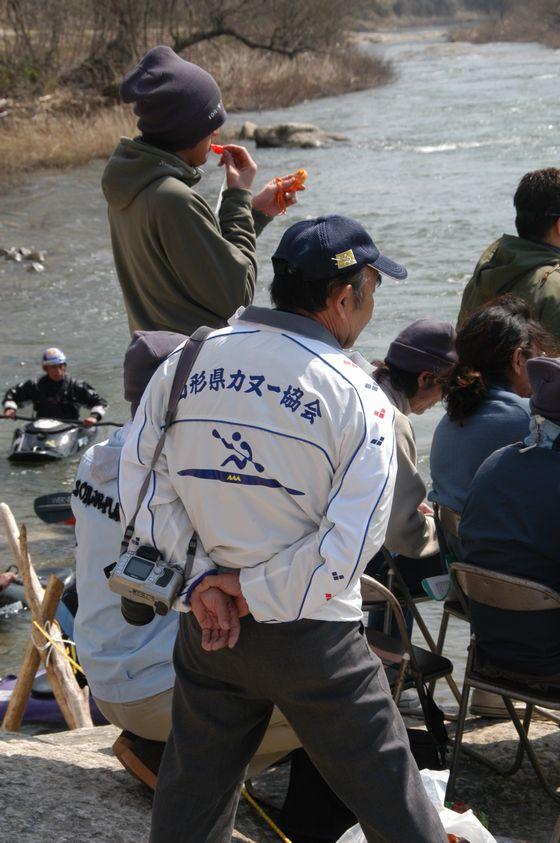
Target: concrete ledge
[{"x": 66, "y": 787}]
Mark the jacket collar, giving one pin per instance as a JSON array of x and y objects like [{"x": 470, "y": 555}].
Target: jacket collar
[{"x": 286, "y": 320}]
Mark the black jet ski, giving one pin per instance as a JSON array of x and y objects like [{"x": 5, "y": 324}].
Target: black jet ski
[
  {"x": 49, "y": 439},
  {"x": 54, "y": 508}
]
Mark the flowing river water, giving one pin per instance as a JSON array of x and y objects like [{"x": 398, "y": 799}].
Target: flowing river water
[{"x": 430, "y": 167}]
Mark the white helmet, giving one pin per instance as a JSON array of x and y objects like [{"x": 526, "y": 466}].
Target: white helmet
[{"x": 53, "y": 357}]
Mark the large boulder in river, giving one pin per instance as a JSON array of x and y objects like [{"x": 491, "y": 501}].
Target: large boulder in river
[{"x": 302, "y": 135}]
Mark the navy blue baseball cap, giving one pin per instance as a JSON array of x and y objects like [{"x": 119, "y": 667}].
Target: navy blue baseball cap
[{"x": 325, "y": 247}]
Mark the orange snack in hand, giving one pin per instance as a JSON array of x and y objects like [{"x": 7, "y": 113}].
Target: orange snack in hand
[
  {"x": 299, "y": 179},
  {"x": 217, "y": 148}
]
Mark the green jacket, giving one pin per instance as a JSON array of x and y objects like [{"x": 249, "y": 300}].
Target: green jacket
[
  {"x": 527, "y": 269},
  {"x": 178, "y": 265}
]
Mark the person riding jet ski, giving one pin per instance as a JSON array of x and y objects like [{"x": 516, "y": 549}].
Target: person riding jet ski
[{"x": 55, "y": 395}]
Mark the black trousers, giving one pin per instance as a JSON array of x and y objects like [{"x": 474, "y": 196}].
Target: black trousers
[{"x": 333, "y": 691}]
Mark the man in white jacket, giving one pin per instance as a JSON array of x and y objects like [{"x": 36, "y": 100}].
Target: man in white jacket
[
  {"x": 281, "y": 458},
  {"x": 130, "y": 668}
]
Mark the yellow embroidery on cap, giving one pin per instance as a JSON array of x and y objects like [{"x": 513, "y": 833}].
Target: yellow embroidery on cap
[{"x": 344, "y": 259}]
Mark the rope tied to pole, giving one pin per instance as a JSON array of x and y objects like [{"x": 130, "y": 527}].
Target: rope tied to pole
[{"x": 55, "y": 641}]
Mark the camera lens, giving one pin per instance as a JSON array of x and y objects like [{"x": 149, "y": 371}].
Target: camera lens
[{"x": 136, "y": 614}]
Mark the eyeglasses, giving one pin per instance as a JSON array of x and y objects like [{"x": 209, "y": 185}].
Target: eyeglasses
[{"x": 378, "y": 281}]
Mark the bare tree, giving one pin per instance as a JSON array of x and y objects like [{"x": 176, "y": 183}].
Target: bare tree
[{"x": 90, "y": 43}]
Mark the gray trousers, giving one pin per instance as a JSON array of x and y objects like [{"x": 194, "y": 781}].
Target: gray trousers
[{"x": 333, "y": 691}]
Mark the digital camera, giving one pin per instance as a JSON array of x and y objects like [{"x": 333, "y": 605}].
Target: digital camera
[{"x": 142, "y": 576}]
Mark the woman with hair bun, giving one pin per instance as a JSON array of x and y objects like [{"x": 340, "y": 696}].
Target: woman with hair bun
[{"x": 486, "y": 395}]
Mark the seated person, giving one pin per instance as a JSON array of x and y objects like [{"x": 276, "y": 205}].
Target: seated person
[
  {"x": 130, "y": 668},
  {"x": 410, "y": 377},
  {"x": 55, "y": 395},
  {"x": 486, "y": 396},
  {"x": 510, "y": 525}
]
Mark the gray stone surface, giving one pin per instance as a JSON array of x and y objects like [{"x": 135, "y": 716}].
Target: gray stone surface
[{"x": 66, "y": 787}]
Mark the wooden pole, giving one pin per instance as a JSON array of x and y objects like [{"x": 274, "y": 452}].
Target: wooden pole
[
  {"x": 11, "y": 528},
  {"x": 72, "y": 700},
  {"x": 13, "y": 536},
  {"x": 31, "y": 661}
]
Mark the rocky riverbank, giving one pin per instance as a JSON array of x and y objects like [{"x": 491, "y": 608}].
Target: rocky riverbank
[{"x": 68, "y": 787}]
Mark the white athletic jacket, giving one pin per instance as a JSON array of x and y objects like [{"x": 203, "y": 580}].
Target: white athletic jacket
[
  {"x": 123, "y": 663},
  {"x": 281, "y": 457}
]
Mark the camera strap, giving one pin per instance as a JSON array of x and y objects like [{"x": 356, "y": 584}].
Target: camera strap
[{"x": 186, "y": 361}]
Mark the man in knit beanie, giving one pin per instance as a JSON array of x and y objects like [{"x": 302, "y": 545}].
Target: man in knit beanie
[
  {"x": 179, "y": 265},
  {"x": 510, "y": 525}
]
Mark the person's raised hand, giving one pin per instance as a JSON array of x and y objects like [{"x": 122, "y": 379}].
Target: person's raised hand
[
  {"x": 240, "y": 167},
  {"x": 228, "y": 584},
  {"x": 7, "y": 577},
  {"x": 425, "y": 508},
  {"x": 266, "y": 200},
  {"x": 217, "y": 617},
  {"x": 10, "y": 413}
]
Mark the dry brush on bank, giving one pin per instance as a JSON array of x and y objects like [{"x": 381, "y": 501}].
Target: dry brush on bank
[{"x": 62, "y": 130}]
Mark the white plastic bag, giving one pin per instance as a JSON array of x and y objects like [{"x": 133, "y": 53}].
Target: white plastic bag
[{"x": 463, "y": 825}]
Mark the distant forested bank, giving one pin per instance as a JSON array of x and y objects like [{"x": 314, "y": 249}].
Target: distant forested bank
[{"x": 493, "y": 20}]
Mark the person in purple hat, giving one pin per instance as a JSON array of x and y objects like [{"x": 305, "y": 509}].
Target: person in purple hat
[
  {"x": 410, "y": 375},
  {"x": 178, "y": 263},
  {"x": 510, "y": 525},
  {"x": 281, "y": 460}
]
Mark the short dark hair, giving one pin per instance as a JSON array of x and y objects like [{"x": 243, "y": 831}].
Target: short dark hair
[
  {"x": 290, "y": 292},
  {"x": 401, "y": 381},
  {"x": 537, "y": 203}
]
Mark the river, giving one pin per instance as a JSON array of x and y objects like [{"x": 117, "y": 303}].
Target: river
[{"x": 430, "y": 168}]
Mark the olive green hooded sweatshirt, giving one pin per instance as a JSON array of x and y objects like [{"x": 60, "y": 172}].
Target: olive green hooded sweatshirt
[
  {"x": 178, "y": 265},
  {"x": 526, "y": 269}
]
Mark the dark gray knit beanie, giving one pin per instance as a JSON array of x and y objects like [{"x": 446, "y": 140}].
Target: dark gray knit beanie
[
  {"x": 428, "y": 345},
  {"x": 177, "y": 103},
  {"x": 146, "y": 351},
  {"x": 544, "y": 377}
]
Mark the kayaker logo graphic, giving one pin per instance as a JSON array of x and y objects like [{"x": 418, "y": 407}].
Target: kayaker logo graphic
[
  {"x": 245, "y": 455},
  {"x": 241, "y": 457},
  {"x": 345, "y": 259}
]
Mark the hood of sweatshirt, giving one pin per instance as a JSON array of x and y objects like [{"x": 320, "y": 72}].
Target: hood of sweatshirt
[
  {"x": 134, "y": 165},
  {"x": 106, "y": 456},
  {"x": 509, "y": 260}
]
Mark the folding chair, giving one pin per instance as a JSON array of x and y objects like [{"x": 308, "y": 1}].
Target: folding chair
[
  {"x": 396, "y": 582},
  {"x": 502, "y": 592},
  {"x": 447, "y": 521},
  {"x": 406, "y": 665}
]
